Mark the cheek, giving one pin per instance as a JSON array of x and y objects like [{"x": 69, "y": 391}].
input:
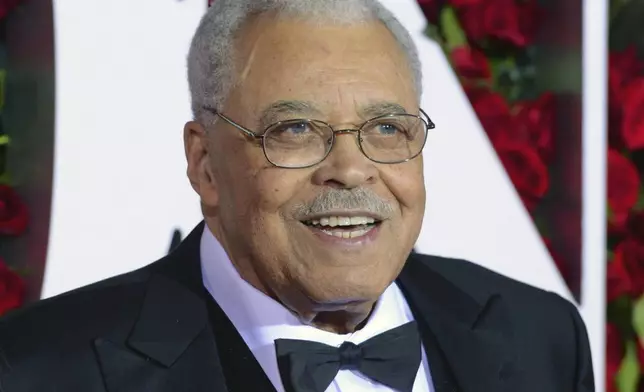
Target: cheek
[
  {"x": 251, "y": 187},
  {"x": 275, "y": 188},
  {"x": 407, "y": 184}
]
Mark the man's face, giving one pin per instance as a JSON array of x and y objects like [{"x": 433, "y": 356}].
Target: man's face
[{"x": 255, "y": 209}]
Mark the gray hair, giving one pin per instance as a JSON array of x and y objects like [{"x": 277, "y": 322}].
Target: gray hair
[{"x": 211, "y": 64}]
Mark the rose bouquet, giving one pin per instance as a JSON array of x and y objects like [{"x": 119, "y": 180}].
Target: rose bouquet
[
  {"x": 625, "y": 270},
  {"x": 491, "y": 46}
]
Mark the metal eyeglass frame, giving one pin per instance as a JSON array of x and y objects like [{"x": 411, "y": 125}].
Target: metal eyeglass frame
[{"x": 429, "y": 124}]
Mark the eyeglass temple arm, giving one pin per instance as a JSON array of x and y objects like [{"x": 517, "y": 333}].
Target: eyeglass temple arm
[
  {"x": 430, "y": 123},
  {"x": 248, "y": 132}
]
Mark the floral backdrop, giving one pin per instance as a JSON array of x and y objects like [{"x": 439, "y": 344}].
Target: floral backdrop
[
  {"x": 625, "y": 210},
  {"x": 14, "y": 217},
  {"x": 501, "y": 51},
  {"x": 493, "y": 47}
]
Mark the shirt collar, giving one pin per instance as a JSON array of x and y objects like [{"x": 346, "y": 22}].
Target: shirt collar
[{"x": 260, "y": 319}]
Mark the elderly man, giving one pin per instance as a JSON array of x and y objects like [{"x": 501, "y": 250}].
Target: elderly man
[{"x": 305, "y": 150}]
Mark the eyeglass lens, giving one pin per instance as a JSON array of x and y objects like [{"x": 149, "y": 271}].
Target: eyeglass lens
[{"x": 301, "y": 143}]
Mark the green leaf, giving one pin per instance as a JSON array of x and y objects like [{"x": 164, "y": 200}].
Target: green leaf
[
  {"x": 639, "y": 205},
  {"x": 610, "y": 255},
  {"x": 542, "y": 225},
  {"x": 4, "y": 140},
  {"x": 620, "y": 313},
  {"x": 615, "y": 7},
  {"x": 629, "y": 372},
  {"x": 5, "y": 179},
  {"x": 638, "y": 317},
  {"x": 454, "y": 35},
  {"x": 3, "y": 83},
  {"x": 609, "y": 212},
  {"x": 433, "y": 33},
  {"x": 24, "y": 271},
  {"x": 504, "y": 77}
]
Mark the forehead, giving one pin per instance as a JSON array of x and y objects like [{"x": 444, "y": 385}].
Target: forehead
[{"x": 329, "y": 65}]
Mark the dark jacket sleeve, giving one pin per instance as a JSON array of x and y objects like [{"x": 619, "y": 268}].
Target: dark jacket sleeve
[{"x": 584, "y": 378}]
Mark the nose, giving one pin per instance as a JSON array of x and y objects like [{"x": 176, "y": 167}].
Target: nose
[{"x": 346, "y": 166}]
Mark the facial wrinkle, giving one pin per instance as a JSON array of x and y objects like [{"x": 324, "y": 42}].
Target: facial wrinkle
[{"x": 250, "y": 59}]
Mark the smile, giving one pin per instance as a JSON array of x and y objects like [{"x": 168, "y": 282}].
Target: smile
[{"x": 345, "y": 227}]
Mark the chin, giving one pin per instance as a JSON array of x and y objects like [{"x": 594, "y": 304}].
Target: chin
[{"x": 347, "y": 291}]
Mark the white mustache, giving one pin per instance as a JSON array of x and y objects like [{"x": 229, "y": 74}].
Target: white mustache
[{"x": 359, "y": 199}]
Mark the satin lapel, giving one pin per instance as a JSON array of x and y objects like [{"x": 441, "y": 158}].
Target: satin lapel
[
  {"x": 171, "y": 346},
  {"x": 472, "y": 331}
]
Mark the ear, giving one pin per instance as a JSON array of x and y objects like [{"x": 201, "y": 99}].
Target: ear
[{"x": 197, "y": 149}]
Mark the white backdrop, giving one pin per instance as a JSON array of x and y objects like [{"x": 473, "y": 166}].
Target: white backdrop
[{"x": 121, "y": 94}]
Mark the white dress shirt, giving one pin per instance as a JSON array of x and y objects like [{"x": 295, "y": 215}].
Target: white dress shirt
[{"x": 260, "y": 320}]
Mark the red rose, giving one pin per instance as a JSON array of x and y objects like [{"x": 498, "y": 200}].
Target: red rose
[
  {"x": 12, "y": 289},
  {"x": 622, "y": 68},
  {"x": 465, "y": 3},
  {"x": 623, "y": 183},
  {"x": 498, "y": 19},
  {"x": 431, "y": 9},
  {"x": 526, "y": 170},
  {"x": 633, "y": 115},
  {"x": 614, "y": 355},
  {"x": 470, "y": 63},
  {"x": 615, "y": 116},
  {"x": 13, "y": 212},
  {"x": 6, "y": 6},
  {"x": 536, "y": 123},
  {"x": 530, "y": 19},
  {"x": 635, "y": 225},
  {"x": 492, "y": 110},
  {"x": 618, "y": 281},
  {"x": 521, "y": 160},
  {"x": 630, "y": 253},
  {"x": 616, "y": 226},
  {"x": 474, "y": 28}
]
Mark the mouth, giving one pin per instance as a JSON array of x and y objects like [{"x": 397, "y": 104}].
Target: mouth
[{"x": 344, "y": 227}]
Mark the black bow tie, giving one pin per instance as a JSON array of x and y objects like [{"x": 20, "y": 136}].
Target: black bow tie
[{"x": 391, "y": 358}]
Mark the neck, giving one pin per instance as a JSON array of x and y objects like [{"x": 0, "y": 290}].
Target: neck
[
  {"x": 331, "y": 318},
  {"x": 343, "y": 322}
]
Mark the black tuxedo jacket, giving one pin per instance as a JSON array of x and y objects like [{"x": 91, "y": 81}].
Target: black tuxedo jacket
[{"x": 156, "y": 329}]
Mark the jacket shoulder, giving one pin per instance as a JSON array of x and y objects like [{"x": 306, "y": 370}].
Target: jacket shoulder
[
  {"x": 545, "y": 327},
  {"x": 60, "y": 331},
  {"x": 81, "y": 301},
  {"x": 481, "y": 282}
]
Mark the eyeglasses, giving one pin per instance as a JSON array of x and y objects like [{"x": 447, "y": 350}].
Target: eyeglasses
[{"x": 302, "y": 143}]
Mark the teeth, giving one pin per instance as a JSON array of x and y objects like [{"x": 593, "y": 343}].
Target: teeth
[
  {"x": 344, "y": 221},
  {"x": 327, "y": 223},
  {"x": 334, "y": 221},
  {"x": 348, "y": 234}
]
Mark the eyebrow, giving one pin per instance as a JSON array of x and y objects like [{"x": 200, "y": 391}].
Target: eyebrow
[
  {"x": 377, "y": 109},
  {"x": 287, "y": 109},
  {"x": 290, "y": 109}
]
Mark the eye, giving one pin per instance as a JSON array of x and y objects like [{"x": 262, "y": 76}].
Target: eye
[
  {"x": 296, "y": 128},
  {"x": 387, "y": 129}
]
